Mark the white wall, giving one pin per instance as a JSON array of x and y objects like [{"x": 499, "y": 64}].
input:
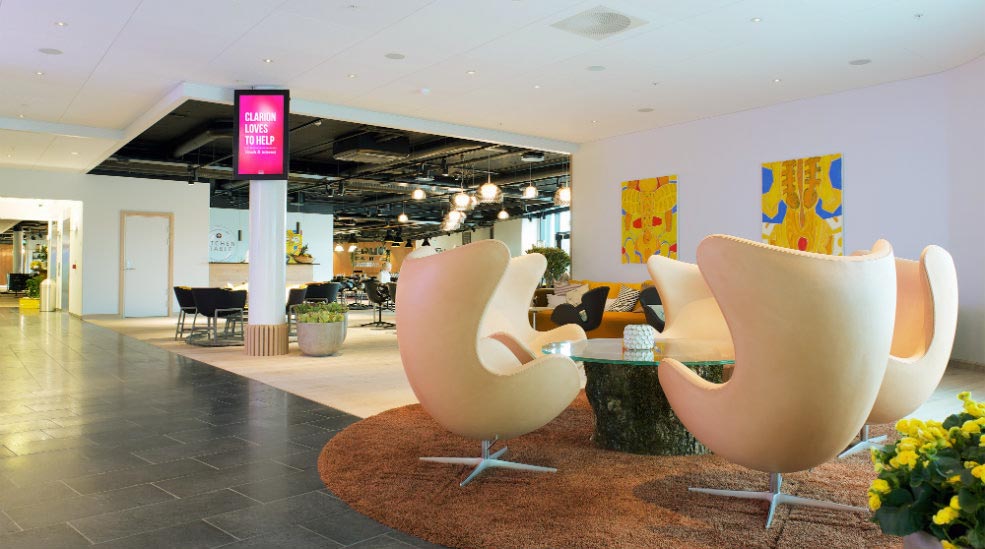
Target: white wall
[
  {"x": 103, "y": 198},
  {"x": 518, "y": 234},
  {"x": 316, "y": 230},
  {"x": 912, "y": 151}
]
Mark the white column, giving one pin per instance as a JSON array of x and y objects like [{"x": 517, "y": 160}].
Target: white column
[
  {"x": 18, "y": 251},
  {"x": 267, "y": 331}
]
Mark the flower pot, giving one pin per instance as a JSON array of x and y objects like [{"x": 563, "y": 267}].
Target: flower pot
[
  {"x": 321, "y": 339},
  {"x": 29, "y": 303},
  {"x": 305, "y": 259},
  {"x": 921, "y": 540}
]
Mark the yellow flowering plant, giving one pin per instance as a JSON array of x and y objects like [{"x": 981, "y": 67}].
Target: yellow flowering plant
[{"x": 933, "y": 479}]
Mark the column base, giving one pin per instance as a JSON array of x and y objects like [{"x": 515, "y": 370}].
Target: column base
[{"x": 266, "y": 339}]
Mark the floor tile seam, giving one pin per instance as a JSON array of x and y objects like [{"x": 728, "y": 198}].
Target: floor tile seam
[
  {"x": 85, "y": 537},
  {"x": 230, "y": 534},
  {"x": 230, "y": 488},
  {"x": 303, "y": 527},
  {"x": 12, "y": 521},
  {"x": 206, "y": 464},
  {"x": 65, "y": 484}
]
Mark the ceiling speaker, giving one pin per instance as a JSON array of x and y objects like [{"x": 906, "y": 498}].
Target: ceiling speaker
[{"x": 598, "y": 23}]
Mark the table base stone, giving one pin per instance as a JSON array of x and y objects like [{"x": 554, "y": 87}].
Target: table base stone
[{"x": 632, "y": 413}]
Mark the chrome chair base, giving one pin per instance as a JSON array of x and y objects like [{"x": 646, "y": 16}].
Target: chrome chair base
[
  {"x": 488, "y": 461},
  {"x": 776, "y": 498},
  {"x": 864, "y": 443}
]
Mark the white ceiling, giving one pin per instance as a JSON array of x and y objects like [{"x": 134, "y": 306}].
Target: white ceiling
[{"x": 692, "y": 59}]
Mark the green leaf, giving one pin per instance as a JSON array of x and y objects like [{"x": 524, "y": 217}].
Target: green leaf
[
  {"x": 898, "y": 521},
  {"x": 968, "y": 501},
  {"x": 976, "y": 536}
]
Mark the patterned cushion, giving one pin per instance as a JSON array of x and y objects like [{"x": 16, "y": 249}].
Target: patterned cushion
[
  {"x": 564, "y": 288},
  {"x": 627, "y": 300},
  {"x": 574, "y": 296}
]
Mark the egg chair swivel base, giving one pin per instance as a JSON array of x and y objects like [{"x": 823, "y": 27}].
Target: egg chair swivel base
[
  {"x": 488, "y": 461},
  {"x": 776, "y": 498},
  {"x": 864, "y": 444}
]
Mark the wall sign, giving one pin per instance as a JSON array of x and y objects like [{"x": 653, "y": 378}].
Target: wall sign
[
  {"x": 260, "y": 134},
  {"x": 221, "y": 244}
]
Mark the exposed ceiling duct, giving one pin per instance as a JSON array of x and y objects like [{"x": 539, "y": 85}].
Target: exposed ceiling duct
[
  {"x": 202, "y": 139},
  {"x": 453, "y": 146}
]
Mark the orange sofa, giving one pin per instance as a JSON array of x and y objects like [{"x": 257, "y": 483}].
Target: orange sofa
[{"x": 613, "y": 322}]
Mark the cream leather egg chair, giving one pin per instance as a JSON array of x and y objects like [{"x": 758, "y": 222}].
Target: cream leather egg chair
[
  {"x": 508, "y": 318},
  {"x": 690, "y": 310},
  {"x": 812, "y": 335},
  {"x": 473, "y": 385},
  {"x": 926, "y": 319}
]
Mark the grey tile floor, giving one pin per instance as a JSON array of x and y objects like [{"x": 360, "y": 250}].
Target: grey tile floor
[{"x": 110, "y": 442}]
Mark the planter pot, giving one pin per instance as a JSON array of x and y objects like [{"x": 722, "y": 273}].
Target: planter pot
[
  {"x": 921, "y": 540},
  {"x": 29, "y": 303},
  {"x": 305, "y": 259},
  {"x": 321, "y": 339}
]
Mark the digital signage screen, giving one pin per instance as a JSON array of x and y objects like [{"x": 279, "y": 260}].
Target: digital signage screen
[{"x": 260, "y": 149}]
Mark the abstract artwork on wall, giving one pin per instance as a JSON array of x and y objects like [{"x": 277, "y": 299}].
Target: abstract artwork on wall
[
  {"x": 649, "y": 218},
  {"x": 294, "y": 243},
  {"x": 802, "y": 204}
]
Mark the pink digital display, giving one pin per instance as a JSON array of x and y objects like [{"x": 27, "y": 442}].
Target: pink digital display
[{"x": 261, "y": 134}]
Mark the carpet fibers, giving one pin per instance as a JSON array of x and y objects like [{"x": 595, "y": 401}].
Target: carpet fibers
[{"x": 598, "y": 498}]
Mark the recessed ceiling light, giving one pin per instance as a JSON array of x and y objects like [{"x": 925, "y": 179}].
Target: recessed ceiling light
[
  {"x": 50, "y": 51},
  {"x": 536, "y": 86},
  {"x": 470, "y": 73},
  {"x": 75, "y": 153},
  {"x": 595, "y": 121},
  {"x": 918, "y": 16},
  {"x": 39, "y": 73},
  {"x": 61, "y": 24},
  {"x": 595, "y": 68},
  {"x": 20, "y": 116},
  {"x": 757, "y": 19},
  {"x": 10, "y": 156},
  {"x": 267, "y": 60},
  {"x": 395, "y": 56},
  {"x": 654, "y": 83},
  {"x": 645, "y": 109},
  {"x": 777, "y": 80},
  {"x": 351, "y": 75},
  {"x": 858, "y": 62},
  {"x": 424, "y": 91}
]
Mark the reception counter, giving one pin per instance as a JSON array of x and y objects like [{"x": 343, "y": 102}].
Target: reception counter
[{"x": 222, "y": 274}]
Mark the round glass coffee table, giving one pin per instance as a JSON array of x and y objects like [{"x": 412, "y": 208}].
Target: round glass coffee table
[{"x": 631, "y": 410}]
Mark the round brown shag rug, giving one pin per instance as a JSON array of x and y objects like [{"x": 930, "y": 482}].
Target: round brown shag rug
[{"x": 597, "y": 499}]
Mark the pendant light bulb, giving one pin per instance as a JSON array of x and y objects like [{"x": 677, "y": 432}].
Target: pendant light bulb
[
  {"x": 503, "y": 214},
  {"x": 418, "y": 194},
  {"x": 562, "y": 197},
  {"x": 489, "y": 191},
  {"x": 403, "y": 218},
  {"x": 339, "y": 248},
  {"x": 530, "y": 192},
  {"x": 461, "y": 201}
]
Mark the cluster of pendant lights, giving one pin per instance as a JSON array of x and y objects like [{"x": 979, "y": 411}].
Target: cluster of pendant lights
[{"x": 488, "y": 193}]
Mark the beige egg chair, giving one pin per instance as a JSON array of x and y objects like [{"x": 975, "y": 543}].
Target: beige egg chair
[
  {"x": 508, "y": 317},
  {"x": 473, "y": 385},
  {"x": 690, "y": 310},
  {"x": 812, "y": 335},
  {"x": 926, "y": 319}
]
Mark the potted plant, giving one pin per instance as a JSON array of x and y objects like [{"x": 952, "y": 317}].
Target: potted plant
[
  {"x": 931, "y": 483},
  {"x": 33, "y": 291},
  {"x": 558, "y": 262},
  {"x": 321, "y": 327},
  {"x": 303, "y": 256}
]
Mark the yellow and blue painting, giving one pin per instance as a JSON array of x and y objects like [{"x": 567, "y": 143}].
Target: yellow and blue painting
[
  {"x": 802, "y": 207},
  {"x": 649, "y": 218}
]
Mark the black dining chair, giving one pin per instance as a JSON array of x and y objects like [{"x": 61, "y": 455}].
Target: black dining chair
[
  {"x": 325, "y": 292},
  {"x": 378, "y": 299},
  {"x": 588, "y": 314},
  {"x": 186, "y": 306},
  {"x": 216, "y": 303},
  {"x": 295, "y": 297},
  {"x": 391, "y": 295},
  {"x": 649, "y": 298}
]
